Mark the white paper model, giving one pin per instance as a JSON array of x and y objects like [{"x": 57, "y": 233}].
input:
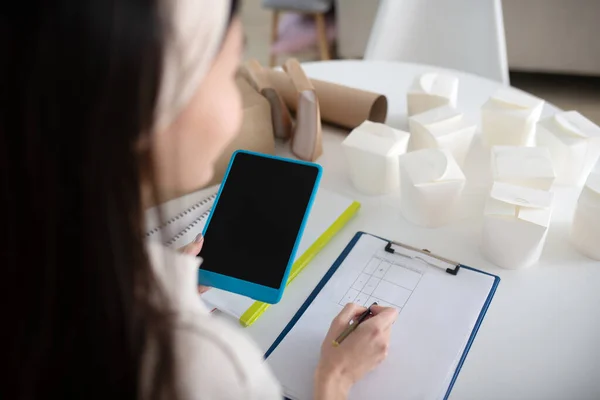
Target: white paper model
[
  {"x": 442, "y": 128},
  {"x": 372, "y": 150},
  {"x": 585, "y": 231},
  {"x": 432, "y": 184},
  {"x": 574, "y": 144},
  {"x": 432, "y": 90},
  {"x": 509, "y": 118},
  {"x": 523, "y": 166},
  {"x": 516, "y": 221}
]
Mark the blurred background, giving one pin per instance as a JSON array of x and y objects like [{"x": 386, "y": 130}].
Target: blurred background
[{"x": 551, "y": 48}]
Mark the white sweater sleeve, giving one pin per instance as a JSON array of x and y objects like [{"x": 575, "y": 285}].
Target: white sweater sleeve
[
  {"x": 218, "y": 362},
  {"x": 214, "y": 359}
]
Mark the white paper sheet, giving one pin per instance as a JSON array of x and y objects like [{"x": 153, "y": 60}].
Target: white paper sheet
[{"x": 438, "y": 312}]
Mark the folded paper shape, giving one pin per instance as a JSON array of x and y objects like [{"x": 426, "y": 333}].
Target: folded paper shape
[
  {"x": 574, "y": 144},
  {"x": 516, "y": 221},
  {"x": 372, "y": 150},
  {"x": 509, "y": 118},
  {"x": 585, "y": 230},
  {"x": 280, "y": 115},
  {"x": 432, "y": 185},
  {"x": 442, "y": 128},
  {"x": 307, "y": 136},
  {"x": 432, "y": 90},
  {"x": 523, "y": 166},
  {"x": 340, "y": 105}
]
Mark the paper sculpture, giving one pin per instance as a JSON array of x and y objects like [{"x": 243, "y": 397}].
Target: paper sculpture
[
  {"x": 585, "y": 231},
  {"x": 372, "y": 152},
  {"x": 516, "y": 221},
  {"x": 574, "y": 144},
  {"x": 280, "y": 115},
  {"x": 432, "y": 185},
  {"x": 340, "y": 105},
  {"x": 442, "y": 128},
  {"x": 523, "y": 166},
  {"x": 432, "y": 90},
  {"x": 509, "y": 118},
  {"x": 306, "y": 140}
]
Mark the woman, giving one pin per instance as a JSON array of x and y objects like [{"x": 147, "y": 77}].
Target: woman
[{"x": 108, "y": 107}]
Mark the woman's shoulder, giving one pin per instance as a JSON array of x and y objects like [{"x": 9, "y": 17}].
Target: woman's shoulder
[{"x": 215, "y": 358}]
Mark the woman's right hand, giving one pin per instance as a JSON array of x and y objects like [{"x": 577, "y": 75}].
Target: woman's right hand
[{"x": 341, "y": 366}]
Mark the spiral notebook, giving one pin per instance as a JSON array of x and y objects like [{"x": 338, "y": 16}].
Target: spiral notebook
[
  {"x": 183, "y": 218},
  {"x": 186, "y": 217}
]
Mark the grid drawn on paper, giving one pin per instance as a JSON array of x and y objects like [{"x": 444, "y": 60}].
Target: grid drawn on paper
[{"x": 389, "y": 283}]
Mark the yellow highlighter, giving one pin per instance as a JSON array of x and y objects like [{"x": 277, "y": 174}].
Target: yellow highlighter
[
  {"x": 258, "y": 308},
  {"x": 353, "y": 325}
]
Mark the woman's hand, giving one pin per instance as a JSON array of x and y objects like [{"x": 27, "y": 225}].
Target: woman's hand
[
  {"x": 194, "y": 249},
  {"x": 340, "y": 367}
]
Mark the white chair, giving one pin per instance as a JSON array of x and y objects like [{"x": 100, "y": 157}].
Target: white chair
[{"x": 466, "y": 35}]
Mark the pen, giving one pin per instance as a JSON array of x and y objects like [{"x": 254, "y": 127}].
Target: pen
[{"x": 353, "y": 326}]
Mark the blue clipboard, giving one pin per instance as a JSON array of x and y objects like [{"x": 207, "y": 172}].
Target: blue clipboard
[{"x": 332, "y": 271}]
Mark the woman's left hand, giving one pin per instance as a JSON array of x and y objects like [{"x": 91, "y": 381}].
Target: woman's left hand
[{"x": 194, "y": 249}]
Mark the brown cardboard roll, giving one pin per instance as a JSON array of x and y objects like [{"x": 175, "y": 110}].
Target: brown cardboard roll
[
  {"x": 339, "y": 105},
  {"x": 256, "y": 133}
]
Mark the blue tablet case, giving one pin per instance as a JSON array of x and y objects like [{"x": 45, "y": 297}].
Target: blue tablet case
[
  {"x": 246, "y": 288},
  {"x": 332, "y": 271}
]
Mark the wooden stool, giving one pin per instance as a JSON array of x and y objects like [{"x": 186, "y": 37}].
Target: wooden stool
[{"x": 321, "y": 35}]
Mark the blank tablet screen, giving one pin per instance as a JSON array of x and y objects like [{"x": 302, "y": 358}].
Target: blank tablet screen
[{"x": 257, "y": 218}]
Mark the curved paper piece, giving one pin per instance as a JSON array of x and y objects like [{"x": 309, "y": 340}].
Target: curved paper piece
[
  {"x": 432, "y": 185},
  {"x": 432, "y": 90},
  {"x": 574, "y": 145},
  {"x": 372, "y": 152},
  {"x": 515, "y": 225},
  {"x": 442, "y": 128},
  {"x": 585, "y": 230},
  {"x": 306, "y": 140},
  {"x": 509, "y": 117},
  {"x": 339, "y": 105},
  {"x": 280, "y": 115}
]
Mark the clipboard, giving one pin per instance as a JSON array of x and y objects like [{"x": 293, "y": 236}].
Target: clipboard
[{"x": 460, "y": 268}]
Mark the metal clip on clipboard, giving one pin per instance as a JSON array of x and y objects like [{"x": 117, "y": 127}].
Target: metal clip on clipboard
[{"x": 424, "y": 256}]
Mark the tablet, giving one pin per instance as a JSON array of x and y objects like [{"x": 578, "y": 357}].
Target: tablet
[{"x": 255, "y": 226}]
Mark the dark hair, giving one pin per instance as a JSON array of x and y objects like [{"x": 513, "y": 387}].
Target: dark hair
[{"x": 80, "y": 304}]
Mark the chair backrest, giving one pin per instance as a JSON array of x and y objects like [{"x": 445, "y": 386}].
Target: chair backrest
[{"x": 467, "y": 35}]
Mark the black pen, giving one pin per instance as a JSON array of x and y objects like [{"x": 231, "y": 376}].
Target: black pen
[{"x": 353, "y": 325}]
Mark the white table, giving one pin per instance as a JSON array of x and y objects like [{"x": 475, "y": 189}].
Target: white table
[{"x": 541, "y": 336}]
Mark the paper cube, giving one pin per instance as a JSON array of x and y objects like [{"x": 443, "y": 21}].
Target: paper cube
[
  {"x": 516, "y": 221},
  {"x": 432, "y": 184},
  {"x": 372, "y": 150},
  {"x": 442, "y": 128},
  {"x": 574, "y": 144},
  {"x": 432, "y": 90},
  {"x": 523, "y": 166},
  {"x": 585, "y": 231},
  {"x": 509, "y": 118}
]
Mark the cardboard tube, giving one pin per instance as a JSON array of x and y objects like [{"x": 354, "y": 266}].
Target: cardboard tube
[{"x": 339, "y": 105}]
